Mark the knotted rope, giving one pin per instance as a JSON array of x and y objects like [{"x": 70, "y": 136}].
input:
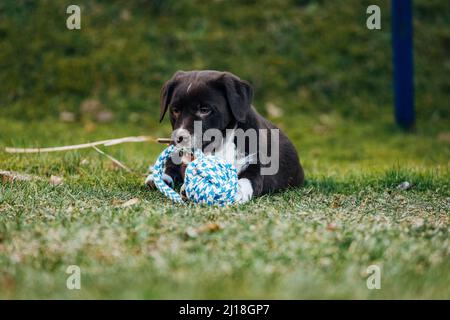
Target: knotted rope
[{"x": 208, "y": 179}]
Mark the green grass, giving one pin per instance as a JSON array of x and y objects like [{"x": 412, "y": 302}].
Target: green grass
[{"x": 312, "y": 242}]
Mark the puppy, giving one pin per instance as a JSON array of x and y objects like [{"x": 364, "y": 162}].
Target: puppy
[{"x": 220, "y": 102}]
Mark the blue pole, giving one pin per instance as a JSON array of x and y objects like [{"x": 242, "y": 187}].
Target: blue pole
[{"x": 402, "y": 44}]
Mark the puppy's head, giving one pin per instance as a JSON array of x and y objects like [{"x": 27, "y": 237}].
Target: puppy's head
[{"x": 218, "y": 99}]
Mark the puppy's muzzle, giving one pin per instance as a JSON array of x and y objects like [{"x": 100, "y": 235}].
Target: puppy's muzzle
[{"x": 182, "y": 138}]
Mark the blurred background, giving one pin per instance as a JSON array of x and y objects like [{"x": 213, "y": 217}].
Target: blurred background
[{"x": 317, "y": 71}]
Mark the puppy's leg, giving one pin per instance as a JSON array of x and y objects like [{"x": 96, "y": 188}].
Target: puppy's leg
[
  {"x": 245, "y": 190},
  {"x": 166, "y": 178},
  {"x": 250, "y": 184},
  {"x": 171, "y": 176}
]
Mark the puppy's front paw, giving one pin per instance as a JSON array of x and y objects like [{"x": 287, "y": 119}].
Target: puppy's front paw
[
  {"x": 166, "y": 178},
  {"x": 245, "y": 191}
]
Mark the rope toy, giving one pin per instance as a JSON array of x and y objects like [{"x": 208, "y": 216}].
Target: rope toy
[{"x": 208, "y": 179}]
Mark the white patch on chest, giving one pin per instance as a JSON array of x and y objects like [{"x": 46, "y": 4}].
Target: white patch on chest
[{"x": 229, "y": 153}]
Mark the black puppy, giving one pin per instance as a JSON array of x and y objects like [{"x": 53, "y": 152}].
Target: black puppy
[{"x": 221, "y": 103}]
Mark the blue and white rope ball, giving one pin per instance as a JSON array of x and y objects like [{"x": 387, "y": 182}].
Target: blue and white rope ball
[{"x": 208, "y": 179}]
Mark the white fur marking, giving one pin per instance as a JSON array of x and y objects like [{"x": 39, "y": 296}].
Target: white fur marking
[
  {"x": 186, "y": 142},
  {"x": 227, "y": 152},
  {"x": 245, "y": 190},
  {"x": 166, "y": 178},
  {"x": 189, "y": 87}
]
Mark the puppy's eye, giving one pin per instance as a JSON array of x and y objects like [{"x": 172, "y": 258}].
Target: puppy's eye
[
  {"x": 175, "y": 112},
  {"x": 204, "y": 110}
]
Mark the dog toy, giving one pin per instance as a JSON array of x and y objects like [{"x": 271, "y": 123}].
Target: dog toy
[{"x": 208, "y": 179}]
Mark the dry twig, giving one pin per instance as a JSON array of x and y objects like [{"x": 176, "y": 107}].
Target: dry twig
[
  {"x": 117, "y": 162},
  {"x": 105, "y": 143}
]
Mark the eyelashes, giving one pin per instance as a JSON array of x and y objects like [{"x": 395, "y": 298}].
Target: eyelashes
[
  {"x": 202, "y": 111},
  {"x": 175, "y": 111}
]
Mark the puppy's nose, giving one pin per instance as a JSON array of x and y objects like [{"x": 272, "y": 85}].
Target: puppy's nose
[{"x": 181, "y": 137}]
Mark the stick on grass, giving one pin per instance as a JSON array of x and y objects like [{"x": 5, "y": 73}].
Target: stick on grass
[
  {"x": 117, "y": 162},
  {"x": 105, "y": 143}
]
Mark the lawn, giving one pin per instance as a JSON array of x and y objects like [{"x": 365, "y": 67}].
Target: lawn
[{"x": 312, "y": 242}]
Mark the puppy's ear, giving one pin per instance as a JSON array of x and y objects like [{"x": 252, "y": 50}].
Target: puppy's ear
[
  {"x": 167, "y": 92},
  {"x": 239, "y": 94}
]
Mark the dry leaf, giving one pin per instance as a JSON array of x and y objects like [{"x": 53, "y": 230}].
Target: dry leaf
[
  {"x": 55, "y": 180},
  {"x": 192, "y": 232},
  {"x": 336, "y": 203},
  {"x": 10, "y": 176},
  {"x": 130, "y": 203},
  {"x": 332, "y": 226},
  {"x": 116, "y": 202},
  {"x": 405, "y": 185},
  {"x": 418, "y": 223}
]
